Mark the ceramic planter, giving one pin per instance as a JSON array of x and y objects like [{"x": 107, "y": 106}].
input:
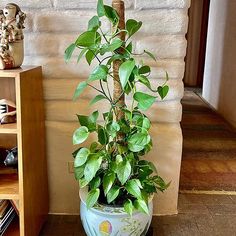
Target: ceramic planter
[{"x": 112, "y": 221}]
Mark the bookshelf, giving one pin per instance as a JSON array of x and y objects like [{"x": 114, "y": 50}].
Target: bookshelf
[{"x": 29, "y": 186}]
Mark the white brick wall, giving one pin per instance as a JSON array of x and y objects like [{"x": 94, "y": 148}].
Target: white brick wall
[{"x": 51, "y": 26}]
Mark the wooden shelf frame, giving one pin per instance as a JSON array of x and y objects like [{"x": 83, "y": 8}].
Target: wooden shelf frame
[{"x": 30, "y": 187}]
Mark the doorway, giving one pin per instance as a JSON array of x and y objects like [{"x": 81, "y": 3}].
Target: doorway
[{"x": 209, "y": 146}]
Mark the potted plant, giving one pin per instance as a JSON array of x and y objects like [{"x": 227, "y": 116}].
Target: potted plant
[{"x": 116, "y": 182}]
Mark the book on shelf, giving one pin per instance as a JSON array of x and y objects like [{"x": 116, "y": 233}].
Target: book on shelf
[{"x": 7, "y": 214}]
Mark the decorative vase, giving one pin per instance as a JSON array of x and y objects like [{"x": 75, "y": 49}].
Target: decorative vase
[
  {"x": 11, "y": 36},
  {"x": 112, "y": 221}
]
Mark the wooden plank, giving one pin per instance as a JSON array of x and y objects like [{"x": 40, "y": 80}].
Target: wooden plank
[
  {"x": 7, "y": 88},
  {"x": 8, "y": 129},
  {"x": 8, "y": 141},
  {"x": 12, "y": 73},
  {"x": 32, "y": 166},
  {"x": 9, "y": 187}
]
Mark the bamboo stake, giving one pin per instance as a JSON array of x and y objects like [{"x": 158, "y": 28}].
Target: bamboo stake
[{"x": 119, "y": 6}]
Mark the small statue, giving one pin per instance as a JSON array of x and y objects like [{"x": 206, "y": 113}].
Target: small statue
[
  {"x": 12, "y": 157},
  {"x": 11, "y": 36}
]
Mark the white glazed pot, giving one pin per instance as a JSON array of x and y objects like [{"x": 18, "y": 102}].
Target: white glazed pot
[{"x": 112, "y": 221}]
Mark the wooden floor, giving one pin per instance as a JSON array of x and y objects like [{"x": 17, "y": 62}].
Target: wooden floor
[
  {"x": 209, "y": 148},
  {"x": 199, "y": 215}
]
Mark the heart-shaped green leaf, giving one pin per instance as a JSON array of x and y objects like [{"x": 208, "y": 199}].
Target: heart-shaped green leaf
[
  {"x": 125, "y": 71},
  {"x": 133, "y": 188},
  {"x": 94, "y": 23},
  {"x": 141, "y": 205},
  {"x": 80, "y": 88},
  {"x": 163, "y": 91},
  {"x": 123, "y": 171},
  {"x": 132, "y": 26},
  {"x": 97, "y": 99},
  {"x": 137, "y": 142},
  {"x": 80, "y": 135},
  {"x": 128, "y": 206},
  {"x": 87, "y": 39},
  {"x": 92, "y": 197},
  {"x": 144, "y": 100},
  {"x": 144, "y": 70},
  {"x": 113, "y": 194},
  {"x": 92, "y": 166},
  {"x": 81, "y": 157},
  {"x": 99, "y": 73},
  {"x": 108, "y": 181},
  {"x": 95, "y": 183}
]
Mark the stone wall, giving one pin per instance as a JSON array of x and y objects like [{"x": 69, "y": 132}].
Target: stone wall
[{"x": 51, "y": 26}]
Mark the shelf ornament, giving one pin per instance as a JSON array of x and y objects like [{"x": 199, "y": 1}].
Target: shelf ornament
[{"x": 11, "y": 36}]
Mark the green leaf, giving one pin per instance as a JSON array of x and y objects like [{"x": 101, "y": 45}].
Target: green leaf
[
  {"x": 132, "y": 26},
  {"x": 89, "y": 121},
  {"x": 113, "y": 194},
  {"x": 92, "y": 197},
  {"x": 128, "y": 206},
  {"x": 69, "y": 51},
  {"x": 144, "y": 100},
  {"x": 83, "y": 182},
  {"x": 163, "y": 91},
  {"x": 112, "y": 128},
  {"x": 115, "y": 44},
  {"x": 87, "y": 39},
  {"x": 80, "y": 88},
  {"x": 144, "y": 70},
  {"x": 125, "y": 71},
  {"x": 123, "y": 171},
  {"x": 94, "y": 23},
  {"x": 97, "y": 99},
  {"x": 94, "y": 116},
  {"x": 83, "y": 51},
  {"x": 80, "y": 135},
  {"x": 108, "y": 181},
  {"x": 102, "y": 136},
  {"x": 92, "y": 166},
  {"x": 141, "y": 205},
  {"x": 150, "y": 55},
  {"x": 111, "y": 14},
  {"x": 144, "y": 80},
  {"x": 99, "y": 73},
  {"x": 79, "y": 172},
  {"x": 81, "y": 157},
  {"x": 137, "y": 142},
  {"x": 95, "y": 183},
  {"x": 90, "y": 55},
  {"x": 129, "y": 48},
  {"x": 100, "y": 8},
  {"x": 133, "y": 188}
]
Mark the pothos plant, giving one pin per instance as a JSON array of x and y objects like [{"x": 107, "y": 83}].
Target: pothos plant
[{"x": 114, "y": 167}]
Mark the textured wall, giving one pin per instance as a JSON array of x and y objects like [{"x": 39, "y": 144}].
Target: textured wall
[{"x": 51, "y": 26}]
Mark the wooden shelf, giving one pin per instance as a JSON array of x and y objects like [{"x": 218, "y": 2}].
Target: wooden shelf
[
  {"x": 30, "y": 187},
  {"x": 8, "y": 129},
  {"x": 13, "y": 229},
  {"x": 9, "y": 186}
]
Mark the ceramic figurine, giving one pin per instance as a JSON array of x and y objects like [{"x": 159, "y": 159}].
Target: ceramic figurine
[{"x": 11, "y": 36}]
